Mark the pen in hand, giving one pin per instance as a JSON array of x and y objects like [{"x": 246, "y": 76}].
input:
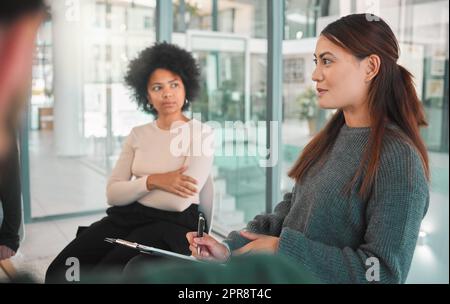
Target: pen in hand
[{"x": 200, "y": 229}]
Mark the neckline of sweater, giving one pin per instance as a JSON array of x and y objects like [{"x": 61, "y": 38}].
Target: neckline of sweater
[
  {"x": 346, "y": 129},
  {"x": 179, "y": 124}
]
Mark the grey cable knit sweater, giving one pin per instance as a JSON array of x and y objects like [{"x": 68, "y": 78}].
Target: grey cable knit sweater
[{"x": 332, "y": 234}]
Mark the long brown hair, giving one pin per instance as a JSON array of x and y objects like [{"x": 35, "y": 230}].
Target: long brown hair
[{"x": 392, "y": 98}]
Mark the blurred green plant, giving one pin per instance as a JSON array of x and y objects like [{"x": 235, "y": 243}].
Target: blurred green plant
[{"x": 307, "y": 102}]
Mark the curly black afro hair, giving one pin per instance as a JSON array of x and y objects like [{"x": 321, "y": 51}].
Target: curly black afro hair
[{"x": 162, "y": 56}]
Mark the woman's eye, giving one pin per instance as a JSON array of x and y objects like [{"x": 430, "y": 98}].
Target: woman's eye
[
  {"x": 315, "y": 61},
  {"x": 156, "y": 89},
  {"x": 326, "y": 61},
  {"x": 174, "y": 85}
]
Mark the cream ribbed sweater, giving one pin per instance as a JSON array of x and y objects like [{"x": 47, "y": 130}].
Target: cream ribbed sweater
[{"x": 150, "y": 150}]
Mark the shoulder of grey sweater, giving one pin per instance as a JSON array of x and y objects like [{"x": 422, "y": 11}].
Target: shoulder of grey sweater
[
  {"x": 401, "y": 170},
  {"x": 399, "y": 156},
  {"x": 400, "y": 181}
]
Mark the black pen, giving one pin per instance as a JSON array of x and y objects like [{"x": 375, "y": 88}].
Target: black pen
[{"x": 200, "y": 229}]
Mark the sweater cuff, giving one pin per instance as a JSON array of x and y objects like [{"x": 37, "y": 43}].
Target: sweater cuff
[
  {"x": 12, "y": 244},
  {"x": 235, "y": 241},
  {"x": 143, "y": 184}
]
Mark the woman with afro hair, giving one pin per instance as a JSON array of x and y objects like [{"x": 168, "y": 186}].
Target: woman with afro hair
[{"x": 154, "y": 187}]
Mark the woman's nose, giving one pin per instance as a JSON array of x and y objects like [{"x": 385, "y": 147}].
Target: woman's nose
[
  {"x": 317, "y": 75},
  {"x": 167, "y": 93}
]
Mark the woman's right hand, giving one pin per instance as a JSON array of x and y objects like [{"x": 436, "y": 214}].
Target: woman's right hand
[
  {"x": 210, "y": 248},
  {"x": 6, "y": 252},
  {"x": 175, "y": 182}
]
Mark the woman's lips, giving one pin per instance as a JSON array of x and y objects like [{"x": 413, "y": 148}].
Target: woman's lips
[
  {"x": 168, "y": 104},
  {"x": 321, "y": 92}
]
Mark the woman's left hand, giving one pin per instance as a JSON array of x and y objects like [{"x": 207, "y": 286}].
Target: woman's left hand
[{"x": 259, "y": 243}]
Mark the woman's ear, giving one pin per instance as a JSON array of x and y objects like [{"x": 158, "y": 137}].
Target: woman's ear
[{"x": 373, "y": 67}]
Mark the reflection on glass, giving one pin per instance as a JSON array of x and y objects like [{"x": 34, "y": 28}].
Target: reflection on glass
[
  {"x": 247, "y": 17},
  {"x": 239, "y": 180},
  {"x": 301, "y": 17},
  {"x": 120, "y": 31},
  {"x": 233, "y": 93},
  {"x": 222, "y": 98},
  {"x": 80, "y": 109}
]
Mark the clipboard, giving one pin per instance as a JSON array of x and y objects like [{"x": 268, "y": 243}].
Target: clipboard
[{"x": 152, "y": 250}]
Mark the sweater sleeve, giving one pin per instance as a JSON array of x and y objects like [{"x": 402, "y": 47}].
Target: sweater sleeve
[
  {"x": 11, "y": 202},
  {"x": 199, "y": 163},
  {"x": 393, "y": 217},
  {"x": 121, "y": 189},
  {"x": 269, "y": 224}
]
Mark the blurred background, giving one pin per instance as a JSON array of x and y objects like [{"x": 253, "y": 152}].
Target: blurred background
[{"x": 80, "y": 111}]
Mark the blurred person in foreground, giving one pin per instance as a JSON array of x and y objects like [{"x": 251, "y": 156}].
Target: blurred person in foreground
[{"x": 19, "y": 21}]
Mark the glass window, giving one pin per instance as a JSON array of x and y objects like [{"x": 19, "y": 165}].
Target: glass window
[
  {"x": 80, "y": 109},
  {"x": 248, "y": 17},
  {"x": 301, "y": 17},
  {"x": 232, "y": 57},
  {"x": 421, "y": 28}
]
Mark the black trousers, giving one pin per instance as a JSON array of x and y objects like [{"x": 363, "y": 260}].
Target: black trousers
[{"x": 135, "y": 222}]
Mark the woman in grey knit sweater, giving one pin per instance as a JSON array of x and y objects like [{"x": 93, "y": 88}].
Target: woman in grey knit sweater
[{"x": 361, "y": 187}]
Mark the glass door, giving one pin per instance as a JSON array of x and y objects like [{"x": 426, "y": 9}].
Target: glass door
[{"x": 226, "y": 102}]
